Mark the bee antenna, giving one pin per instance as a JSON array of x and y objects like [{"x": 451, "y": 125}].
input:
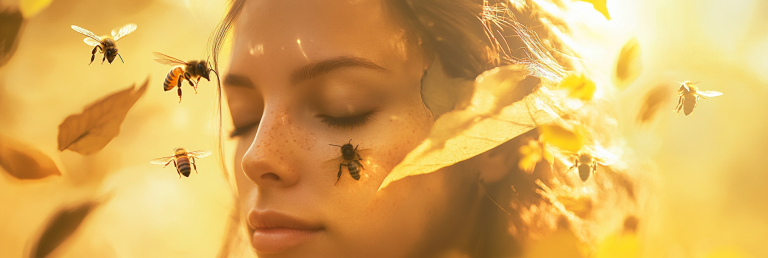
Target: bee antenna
[
  {"x": 350, "y": 141},
  {"x": 121, "y": 58}
]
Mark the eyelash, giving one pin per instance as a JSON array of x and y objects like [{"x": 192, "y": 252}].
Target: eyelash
[
  {"x": 237, "y": 132},
  {"x": 338, "y": 122},
  {"x": 347, "y": 122}
]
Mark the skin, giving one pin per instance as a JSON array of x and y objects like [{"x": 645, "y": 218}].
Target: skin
[{"x": 284, "y": 161}]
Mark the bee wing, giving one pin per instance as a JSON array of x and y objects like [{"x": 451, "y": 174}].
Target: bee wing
[
  {"x": 332, "y": 163},
  {"x": 86, "y": 33},
  {"x": 122, "y": 32},
  {"x": 710, "y": 93},
  {"x": 168, "y": 60},
  {"x": 199, "y": 153},
  {"x": 162, "y": 161},
  {"x": 91, "y": 42}
]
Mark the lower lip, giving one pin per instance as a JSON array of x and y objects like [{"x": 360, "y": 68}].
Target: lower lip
[{"x": 276, "y": 240}]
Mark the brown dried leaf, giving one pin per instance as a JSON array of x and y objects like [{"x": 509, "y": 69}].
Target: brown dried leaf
[
  {"x": 63, "y": 224},
  {"x": 628, "y": 66},
  {"x": 23, "y": 162},
  {"x": 654, "y": 101},
  {"x": 495, "y": 114},
  {"x": 99, "y": 123},
  {"x": 11, "y": 22}
]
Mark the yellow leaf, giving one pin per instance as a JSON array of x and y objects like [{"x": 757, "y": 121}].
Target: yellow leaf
[
  {"x": 579, "y": 86},
  {"x": 600, "y": 6},
  {"x": 11, "y": 24},
  {"x": 91, "y": 130},
  {"x": 624, "y": 245},
  {"x": 653, "y": 102},
  {"x": 495, "y": 115},
  {"x": 563, "y": 138},
  {"x": 628, "y": 66},
  {"x": 23, "y": 162},
  {"x": 30, "y": 8}
]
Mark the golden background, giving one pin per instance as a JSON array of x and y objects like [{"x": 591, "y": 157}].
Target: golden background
[{"x": 710, "y": 199}]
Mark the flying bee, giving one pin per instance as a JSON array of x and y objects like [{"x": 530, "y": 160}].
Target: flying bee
[
  {"x": 350, "y": 158},
  {"x": 183, "y": 71},
  {"x": 689, "y": 95},
  {"x": 105, "y": 44},
  {"x": 586, "y": 160},
  {"x": 182, "y": 159}
]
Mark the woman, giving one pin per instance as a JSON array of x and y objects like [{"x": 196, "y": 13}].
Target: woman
[{"x": 306, "y": 77}]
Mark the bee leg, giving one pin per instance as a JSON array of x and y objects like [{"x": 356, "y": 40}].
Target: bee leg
[
  {"x": 193, "y": 164},
  {"x": 179, "y": 90},
  {"x": 338, "y": 176},
  {"x": 679, "y": 105},
  {"x": 169, "y": 162},
  {"x": 93, "y": 53},
  {"x": 198, "y": 80}
]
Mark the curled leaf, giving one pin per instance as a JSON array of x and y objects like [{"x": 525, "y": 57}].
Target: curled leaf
[
  {"x": 565, "y": 139},
  {"x": 600, "y": 6},
  {"x": 23, "y": 162},
  {"x": 579, "y": 86},
  {"x": 30, "y": 8},
  {"x": 11, "y": 22},
  {"x": 99, "y": 123},
  {"x": 628, "y": 66},
  {"x": 494, "y": 115},
  {"x": 63, "y": 224},
  {"x": 653, "y": 102}
]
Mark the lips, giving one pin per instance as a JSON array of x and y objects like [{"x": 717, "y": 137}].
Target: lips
[{"x": 275, "y": 232}]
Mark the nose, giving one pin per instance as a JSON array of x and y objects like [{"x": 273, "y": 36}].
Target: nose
[{"x": 270, "y": 161}]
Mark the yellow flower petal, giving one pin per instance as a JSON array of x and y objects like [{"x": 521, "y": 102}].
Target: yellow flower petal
[
  {"x": 562, "y": 138},
  {"x": 578, "y": 86}
]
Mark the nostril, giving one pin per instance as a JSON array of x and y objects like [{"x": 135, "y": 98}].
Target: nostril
[{"x": 270, "y": 176}]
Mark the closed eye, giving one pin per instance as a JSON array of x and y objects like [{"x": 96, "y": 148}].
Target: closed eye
[{"x": 347, "y": 122}]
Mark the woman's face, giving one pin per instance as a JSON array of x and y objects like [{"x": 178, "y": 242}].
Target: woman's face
[{"x": 310, "y": 74}]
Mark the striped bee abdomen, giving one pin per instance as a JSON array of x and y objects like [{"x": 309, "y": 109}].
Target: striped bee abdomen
[
  {"x": 354, "y": 169},
  {"x": 182, "y": 164},
  {"x": 171, "y": 80}
]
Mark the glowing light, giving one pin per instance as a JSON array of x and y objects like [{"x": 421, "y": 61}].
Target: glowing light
[{"x": 298, "y": 41}]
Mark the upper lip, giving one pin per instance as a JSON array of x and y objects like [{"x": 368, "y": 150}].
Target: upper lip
[{"x": 269, "y": 219}]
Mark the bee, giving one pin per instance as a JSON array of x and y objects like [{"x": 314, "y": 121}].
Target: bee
[
  {"x": 105, "y": 44},
  {"x": 182, "y": 159},
  {"x": 689, "y": 95},
  {"x": 183, "y": 71},
  {"x": 586, "y": 160},
  {"x": 350, "y": 157}
]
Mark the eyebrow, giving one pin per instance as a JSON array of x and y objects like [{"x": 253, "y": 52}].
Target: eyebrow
[
  {"x": 326, "y": 66},
  {"x": 309, "y": 71}
]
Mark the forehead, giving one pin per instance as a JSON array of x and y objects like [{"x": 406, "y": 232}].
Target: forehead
[{"x": 312, "y": 30}]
